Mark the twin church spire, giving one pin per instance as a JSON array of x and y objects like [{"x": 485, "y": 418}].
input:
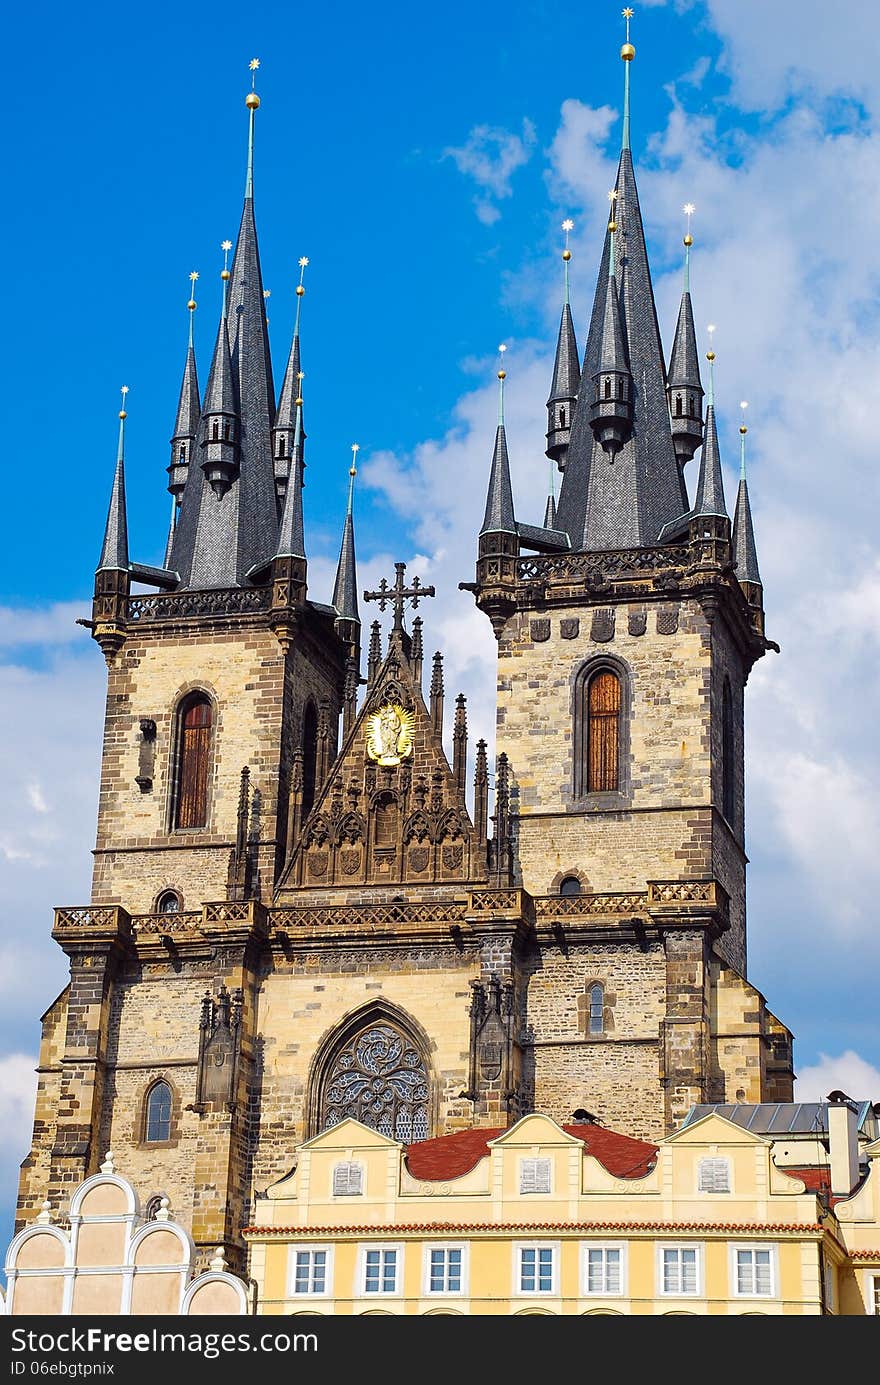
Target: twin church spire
[{"x": 237, "y": 459}]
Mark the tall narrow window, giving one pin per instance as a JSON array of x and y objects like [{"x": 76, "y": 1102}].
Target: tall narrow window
[
  {"x": 607, "y": 387},
  {"x": 310, "y": 757},
  {"x": 597, "y": 1009},
  {"x": 385, "y": 816},
  {"x": 678, "y": 406},
  {"x": 603, "y": 732},
  {"x": 193, "y": 760},
  {"x": 728, "y": 777},
  {"x": 157, "y": 1121},
  {"x": 215, "y": 428},
  {"x": 562, "y": 418}
]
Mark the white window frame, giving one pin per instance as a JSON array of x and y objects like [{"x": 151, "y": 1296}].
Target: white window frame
[
  {"x": 349, "y": 1165},
  {"x": 427, "y": 1291},
  {"x": 714, "y": 1192},
  {"x": 302, "y": 1249},
  {"x": 384, "y": 1247},
  {"x": 604, "y": 1246},
  {"x": 553, "y": 1291},
  {"x": 663, "y": 1292},
  {"x": 536, "y": 1161},
  {"x": 752, "y": 1246},
  {"x": 872, "y": 1293}
]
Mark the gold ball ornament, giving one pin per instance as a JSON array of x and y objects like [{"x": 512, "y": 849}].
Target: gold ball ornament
[
  {"x": 566, "y": 255},
  {"x": 612, "y": 226},
  {"x": 225, "y": 274},
  {"x": 252, "y": 101},
  {"x": 300, "y": 290},
  {"x": 502, "y": 375},
  {"x": 298, "y": 401},
  {"x": 710, "y": 355},
  {"x": 123, "y": 414},
  {"x": 627, "y": 52},
  {"x": 688, "y": 240},
  {"x": 743, "y": 428},
  {"x": 192, "y": 305},
  {"x": 352, "y": 471}
]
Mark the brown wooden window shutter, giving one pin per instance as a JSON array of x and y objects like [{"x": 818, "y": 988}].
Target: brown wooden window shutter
[
  {"x": 194, "y": 761},
  {"x": 603, "y": 732}
]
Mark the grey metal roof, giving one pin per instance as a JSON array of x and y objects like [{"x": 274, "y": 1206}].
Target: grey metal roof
[
  {"x": 745, "y": 554},
  {"x": 546, "y": 540},
  {"x": 291, "y": 537},
  {"x": 499, "y": 516},
  {"x": 188, "y": 407},
  {"x": 566, "y": 368},
  {"x": 624, "y": 503},
  {"x": 345, "y": 588},
  {"x": 710, "y": 486},
  {"x": 114, "y": 550},
  {"x": 612, "y": 351},
  {"x": 550, "y": 513},
  {"x": 684, "y": 362},
  {"x": 776, "y": 1118}
]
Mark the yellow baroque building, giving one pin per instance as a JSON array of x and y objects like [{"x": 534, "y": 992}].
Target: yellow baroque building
[{"x": 553, "y": 1220}]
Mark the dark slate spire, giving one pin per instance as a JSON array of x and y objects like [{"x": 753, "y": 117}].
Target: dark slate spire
[
  {"x": 684, "y": 389},
  {"x": 186, "y": 424},
  {"x": 623, "y": 501},
  {"x": 566, "y": 375},
  {"x": 291, "y": 537},
  {"x": 499, "y": 517},
  {"x": 221, "y": 425},
  {"x": 219, "y": 539},
  {"x": 611, "y": 410},
  {"x": 291, "y": 392},
  {"x": 114, "y": 551},
  {"x": 745, "y": 554},
  {"x": 710, "y": 486},
  {"x": 345, "y": 587}
]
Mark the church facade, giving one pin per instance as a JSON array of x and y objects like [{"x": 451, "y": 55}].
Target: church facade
[{"x": 304, "y": 911}]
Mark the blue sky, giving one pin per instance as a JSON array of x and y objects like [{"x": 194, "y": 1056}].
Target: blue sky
[{"x": 424, "y": 161}]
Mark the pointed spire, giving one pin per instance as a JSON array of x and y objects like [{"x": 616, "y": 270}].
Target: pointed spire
[
  {"x": 685, "y": 389},
  {"x": 611, "y": 412},
  {"x": 345, "y": 588},
  {"x": 745, "y": 553},
  {"x": 437, "y": 693},
  {"x": 374, "y": 653},
  {"x": 710, "y": 486},
  {"x": 221, "y": 422},
  {"x": 499, "y": 517},
  {"x": 624, "y": 500},
  {"x": 186, "y": 424},
  {"x": 481, "y": 793},
  {"x": 566, "y": 374},
  {"x": 114, "y": 551},
  {"x": 459, "y": 743},
  {"x": 291, "y": 391},
  {"x": 291, "y": 537},
  {"x": 550, "y": 511}
]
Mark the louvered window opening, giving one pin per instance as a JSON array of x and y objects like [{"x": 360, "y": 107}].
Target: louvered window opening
[
  {"x": 603, "y": 733},
  {"x": 348, "y": 1180},
  {"x": 534, "y": 1176},
  {"x": 379, "y": 1079},
  {"x": 714, "y": 1176},
  {"x": 194, "y": 760}
]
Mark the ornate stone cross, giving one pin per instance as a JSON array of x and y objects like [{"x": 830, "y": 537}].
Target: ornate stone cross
[{"x": 399, "y": 594}]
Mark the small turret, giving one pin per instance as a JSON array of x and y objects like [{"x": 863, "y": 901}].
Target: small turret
[
  {"x": 186, "y": 425},
  {"x": 710, "y": 486},
  {"x": 611, "y": 411},
  {"x": 498, "y": 546},
  {"x": 113, "y": 574},
  {"x": 745, "y": 553},
  {"x": 348, "y": 620},
  {"x": 114, "y": 550},
  {"x": 684, "y": 389},
  {"x": 291, "y": 393},
  {"x": 220, "y": 424},
  {"x": 566, "y": 376},
  {"x": 289, "y": 568}
]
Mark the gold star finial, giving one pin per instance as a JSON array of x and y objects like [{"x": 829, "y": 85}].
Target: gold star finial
[
  {"x": 502, "y": 373},
  {"x": 688, "y": 210},
  {"x": 568, "y": 227},
  {"x": 627, "y": 52},
  {"x": 122, "y": 414},
  {"x": 743, "y": 404},
  {"x": 225, "y": 246},
  {"x": 355, "y": 449},
  {"x": 193, "y": 276},
  {"x": 252, "y": 100},
  {"x": 710, "y": 354},
  {"x": 300, "y": 288}
]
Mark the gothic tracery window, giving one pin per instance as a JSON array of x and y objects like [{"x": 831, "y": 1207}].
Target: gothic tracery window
[
  {"x": 157, "y": 1114},
  {"x": 378, "y": 1077},
  {"x": 598, "y": 712}
]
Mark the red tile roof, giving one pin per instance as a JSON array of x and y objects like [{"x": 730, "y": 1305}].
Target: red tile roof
[
  {"x": 451, "y": 1156},
  {"x": 818, "y": 1180}
]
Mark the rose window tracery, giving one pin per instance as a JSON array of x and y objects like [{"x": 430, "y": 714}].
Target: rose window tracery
[{"x": 379, "y": 1079}]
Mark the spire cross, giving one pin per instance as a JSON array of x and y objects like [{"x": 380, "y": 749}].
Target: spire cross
[{"x": 399, "y": 594}]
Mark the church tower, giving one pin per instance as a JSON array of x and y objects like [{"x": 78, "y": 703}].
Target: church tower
[{"x": 625, "y": 640}]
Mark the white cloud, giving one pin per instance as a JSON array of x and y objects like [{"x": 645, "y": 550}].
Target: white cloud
[
  {"x": 847, "y": 1072},
  {"x": 52, "y": 625},
  {"x": 18, "y": 1085},
  {"x": 490, "y": 156}
]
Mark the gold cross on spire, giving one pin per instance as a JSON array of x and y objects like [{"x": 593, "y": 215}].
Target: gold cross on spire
[{"x": 398, "y": 594}]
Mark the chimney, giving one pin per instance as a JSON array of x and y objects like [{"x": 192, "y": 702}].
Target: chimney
[{"x": 843, "y": 1142}]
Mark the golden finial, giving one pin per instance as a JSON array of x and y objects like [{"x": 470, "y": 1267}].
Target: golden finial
[
  {"x": 688, "y": 210},
  {"x": 225, "y": 246},
  {"x": 194, "y": 274},
  {"x": 627, "y": 52},
  {"x": 710, "y": 354},
  {"x": 355, "y": 449},
  {"x": 300, "y": 288},
  {"x": 301, "y": 375},
  {"x": 567, "y": 226},
  {"x": 743, "y": 404},
  {"x": 612, "y": 198},
  {"x": 123, "y": 392},
  {"x": 252, "y": 100},
  {"x": 502, "y": 373}
]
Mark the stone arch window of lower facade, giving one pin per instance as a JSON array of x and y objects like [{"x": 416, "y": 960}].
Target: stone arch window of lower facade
[
  {"x": 600, "y": 705},
  {"x": 158, "y": 1107},
  {"x": 376, "y": 1073},
  {"x": 593, "y": 1010},
  {"x": 168, "y": 902},
  {"x": 192, "y": 767},
  {"x": 310, "y": 757}
]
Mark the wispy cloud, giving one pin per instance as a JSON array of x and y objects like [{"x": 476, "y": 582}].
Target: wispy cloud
[{"x": 490, "y": 156}]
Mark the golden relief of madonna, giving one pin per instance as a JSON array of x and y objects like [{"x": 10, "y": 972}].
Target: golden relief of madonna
[{"x": 389, "y": 734}]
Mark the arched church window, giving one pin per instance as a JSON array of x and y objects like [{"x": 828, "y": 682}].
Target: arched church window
[
  {"x": 310, "y": 757},
  {"x": 607, "y": 387},
  {"x": 226, "y": 426},
  {"x": 168, "y": 902},
  {"x": 157, "y": 1114},
  {"x": 385, "y": 817},
  {"x": 570, "y": 886},
  {"x": 728, "y": 767},
  {"x": 379, "y": 1078},
  {"x": 193, "y": 762},
  {"x": 678, "y": 406},
  {"x": 215, "y": 429},
  {"x": 281, "y": 445},
  {"x": 597, "y": 734},
  {"x": 596, "y": 1023},
  {"x": 183, "y": 451},
  {"x": 562, "y": 417}
]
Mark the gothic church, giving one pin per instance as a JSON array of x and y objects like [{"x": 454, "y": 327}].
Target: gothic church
[{"x": 303, "y": 909}]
